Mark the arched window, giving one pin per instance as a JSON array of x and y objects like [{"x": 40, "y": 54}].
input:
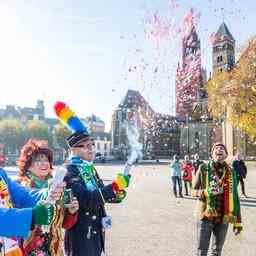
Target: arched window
[
  {"x": 219, "y": 59},
  {"x": 196, "y": 142}
]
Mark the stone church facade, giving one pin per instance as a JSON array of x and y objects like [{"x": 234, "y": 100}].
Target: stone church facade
[{"x": 199, "y": 130}]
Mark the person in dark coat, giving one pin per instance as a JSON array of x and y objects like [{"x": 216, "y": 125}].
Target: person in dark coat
[
  {"x": 196, "y": 163},
  {"x": 239, "y": 166},
  {"x": 86, "y": 237}
]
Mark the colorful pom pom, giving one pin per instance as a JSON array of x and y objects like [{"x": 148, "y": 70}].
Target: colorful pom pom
[
  {"x": 75, "y": 124},
  {"x": 58, "y": 106},
  {"x": 68, "y": 117}
]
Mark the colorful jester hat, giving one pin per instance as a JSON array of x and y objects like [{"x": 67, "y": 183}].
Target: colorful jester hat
[{"x": 68, "y": 117}]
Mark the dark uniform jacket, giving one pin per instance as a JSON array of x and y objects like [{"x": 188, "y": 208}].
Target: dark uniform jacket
[
  {"x": 240, "y": 168},
  {"x": 86, "y": 237}
]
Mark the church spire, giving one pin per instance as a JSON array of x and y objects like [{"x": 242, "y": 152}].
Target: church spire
[
  {"x": 223, "y": 49},
  {"x": 224, "y": 33}
]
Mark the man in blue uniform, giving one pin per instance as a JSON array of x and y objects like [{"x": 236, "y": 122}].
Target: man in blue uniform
[{"x": 86, "y": 238}]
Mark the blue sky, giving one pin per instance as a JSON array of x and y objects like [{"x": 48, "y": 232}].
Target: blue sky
[{"x": 80, "y": 51}]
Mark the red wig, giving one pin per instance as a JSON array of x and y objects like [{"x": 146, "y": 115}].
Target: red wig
[{"x": 30, "y": 151}]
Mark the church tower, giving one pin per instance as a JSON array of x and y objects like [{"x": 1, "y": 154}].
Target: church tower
[
  {"x": 223, "y": 56},
  {"x": 190, "y": 76}
]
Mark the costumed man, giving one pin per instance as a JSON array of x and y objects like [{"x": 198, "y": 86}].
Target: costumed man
[
  {"x": 21, "y": 210},
  {"x": 215, "y": 184},
  {"x": 86, "y": 237}
]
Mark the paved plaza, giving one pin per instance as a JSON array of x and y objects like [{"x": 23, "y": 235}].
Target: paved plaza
[{"x": 153, "y": 222}]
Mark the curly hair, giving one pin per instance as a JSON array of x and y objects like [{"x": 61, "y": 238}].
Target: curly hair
[{"x": 30, "y": 151}]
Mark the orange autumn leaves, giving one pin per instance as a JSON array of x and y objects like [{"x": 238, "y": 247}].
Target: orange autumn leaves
[{"x": 233, "y": 93}]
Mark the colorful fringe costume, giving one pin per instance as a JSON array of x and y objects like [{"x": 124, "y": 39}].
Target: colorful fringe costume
[
  {"x": 50, "y": 242},
  {"x": 40, "y": 242},
  {"x": 219, "y": 186},
  {"x": 10, "y": 246}
]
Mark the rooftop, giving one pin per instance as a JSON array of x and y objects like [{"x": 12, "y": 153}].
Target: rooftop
[{"x": 223, "y": 32}]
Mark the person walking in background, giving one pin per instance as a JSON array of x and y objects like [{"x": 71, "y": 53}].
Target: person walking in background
[
  {"x": 241, "y": 170},
  {"x": 196, "y": 163},
  {"x": 187, "y": 170},
  {"x": 176, "y": 175}
]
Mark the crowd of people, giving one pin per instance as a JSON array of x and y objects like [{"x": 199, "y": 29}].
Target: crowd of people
[
  {"x": 182, "y": 172},
  {"x": 34, "y": 210},
  {"x": 215, "y": 185}
]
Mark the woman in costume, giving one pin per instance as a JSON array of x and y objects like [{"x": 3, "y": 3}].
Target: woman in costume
[
  {"x": 187, "y": 170},
  {"x": 86, "y": 237},
  {"x": 20, "y": 211},
  {"x": 35, "y": 171}
]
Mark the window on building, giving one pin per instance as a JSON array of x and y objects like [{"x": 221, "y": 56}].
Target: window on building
[
  {"x": 231, "y": 60},
  {"x": 196, "y": 142},
  {"x": 105, "y": 146},
  {"x": 98, "y": 146},
  {"x": 9, "y": 151},
  {"x": 219, "y": 59}
]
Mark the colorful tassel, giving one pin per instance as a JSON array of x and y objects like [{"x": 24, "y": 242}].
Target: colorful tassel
[{"x": 68, "y": 117}]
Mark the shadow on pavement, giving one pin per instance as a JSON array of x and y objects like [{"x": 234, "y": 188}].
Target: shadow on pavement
[
  {"x": 248, "y": 200},
  {"x": 248, "y": 205},
  {"x": 189, "y": 198}
]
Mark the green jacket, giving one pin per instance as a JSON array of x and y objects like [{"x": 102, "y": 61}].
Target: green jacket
[{"x": 199, "y": 183}]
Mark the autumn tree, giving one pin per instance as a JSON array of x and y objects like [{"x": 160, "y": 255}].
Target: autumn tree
[
  {"x": 38, "y": 129},
  {"x": 61, "y": 133},
  {"x": 233, "y": 93},
  {"x": 11, "y": 134}
]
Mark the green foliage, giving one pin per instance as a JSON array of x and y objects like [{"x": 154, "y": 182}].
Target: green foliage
[
  {"x": 61, "y": 133},
  {"x": 11, "y": 133},
  {"x": 38, "y": 129},
  {"x": 234, "y": 93}
]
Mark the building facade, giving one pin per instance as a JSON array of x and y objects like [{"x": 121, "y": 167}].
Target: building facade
[
  {"x": 199, "y": 130},
  {"x": 102, "y": 144},
  {"x": 100, "y": 136},
  {"x": 159, "y": 133},
  {"x": 24, "y": 113},
  {"x": 190, "y": 76},
  {"x": 95, "y": 124},
  {"x": 224, "y": 59}
]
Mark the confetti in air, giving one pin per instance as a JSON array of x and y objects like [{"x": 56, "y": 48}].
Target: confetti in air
[{"x": 133, "y": 135}]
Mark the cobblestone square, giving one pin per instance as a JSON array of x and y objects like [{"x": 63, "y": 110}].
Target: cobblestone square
[{"x": 152, "y": 222}]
